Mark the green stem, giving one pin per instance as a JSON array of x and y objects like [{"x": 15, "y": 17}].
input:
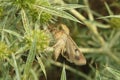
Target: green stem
[
  {"x": 114, "y": 39},
  {"x": 71, "y": 69},
  {"x": 91, "y": 26},
  {"x": 84, "y": 50},
  {"x": 91, "y": 50},
  {"x": 115, "y": 58}
]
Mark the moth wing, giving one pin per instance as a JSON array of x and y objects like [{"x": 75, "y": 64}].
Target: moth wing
[
  {"x": 59, "y": 47},
  {"x": 73, "y": 53}
]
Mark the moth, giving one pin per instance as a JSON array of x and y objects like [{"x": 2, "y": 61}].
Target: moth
[{"x": 67, "y": 47}]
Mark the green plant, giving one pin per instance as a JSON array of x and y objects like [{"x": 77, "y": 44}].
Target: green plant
[{"x": 26, "y": 42}]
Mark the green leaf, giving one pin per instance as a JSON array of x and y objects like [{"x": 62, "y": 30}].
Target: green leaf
[
  {"x": 30, "y": 59},
  {"x": 13, "y": 33},
  {"x": 115, "y": 72},
  {"x": 69, "y": 6},
  {"x": 63, "y": 75},
  {"x": 100, "y": 25},
  {"x": 97, "y": 77},
  {"x": 16, "y": 68},
  {"x": 108, "y": 9},
  {"x": 42, "y": 66},
  {"x": 111, "y": 16},
  {"x": 25, "y": 21},
  {"x": 57, "y": 12}
]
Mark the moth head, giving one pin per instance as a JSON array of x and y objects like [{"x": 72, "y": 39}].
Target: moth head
[{"x": 65, "y": 28}]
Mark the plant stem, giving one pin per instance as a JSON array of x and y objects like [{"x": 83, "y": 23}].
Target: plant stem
[
  {"x": 91, "y": 26},
  {"x": 84, "y": 50},
  {"x": 70, "y": 69},
  {"x": 114, "y": 39},
  {"x": 91, "y": 50},
  {"x": 115, "y": 58}
]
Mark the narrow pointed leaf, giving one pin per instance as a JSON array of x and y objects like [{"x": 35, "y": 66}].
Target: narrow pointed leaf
[
  {"x": 69, "y": 6},
  {"x": 57, "y": 12},
  {"x": 42, "y": 66},
  {"x": 63, "y": 75},
  {"x": 30, "y": 59}
]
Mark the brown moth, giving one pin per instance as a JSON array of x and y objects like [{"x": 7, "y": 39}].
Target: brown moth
[{"x": 67, "y": 47}]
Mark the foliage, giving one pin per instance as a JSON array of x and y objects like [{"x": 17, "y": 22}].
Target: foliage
[
  {"x": 25, "y": 46},
  {"x": 42, "y": 39},
  {"x": 4, "y": 50}
]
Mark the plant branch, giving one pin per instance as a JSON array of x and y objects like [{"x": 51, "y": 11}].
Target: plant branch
[
  {"x": 114, "y": 39},
  {"x": 83, "y": 50},
  {"x": 113, "y": 57},
  {"x": 91, "y": 26},
  {"x": 70, "y": 69},
  {"x": 91, "y": 50}
]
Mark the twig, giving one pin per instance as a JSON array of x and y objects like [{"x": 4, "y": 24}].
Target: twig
[
  {"x": 70, "y": 69},
  {"x": 84, "y": 50},
  {"x": 91, "y": 26},
  {"x": 114, "y": 39},
  {"x": 91, "y": 50},
  {"x": 113, "y": 57}
]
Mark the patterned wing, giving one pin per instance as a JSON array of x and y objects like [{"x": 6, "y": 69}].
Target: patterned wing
[{"x": 73, "y": 53}]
